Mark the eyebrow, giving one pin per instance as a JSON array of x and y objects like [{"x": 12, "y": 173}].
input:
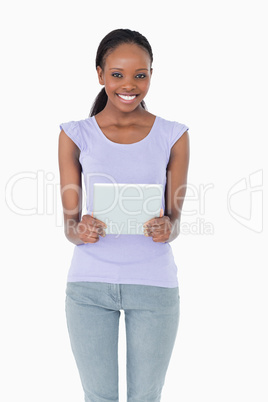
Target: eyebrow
[{"x": 117, "y": 68}]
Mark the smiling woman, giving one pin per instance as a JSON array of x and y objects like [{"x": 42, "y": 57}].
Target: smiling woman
[
  {"x": 132, "y": 83},
  {"x": 111, "y": 43},
  {"x": 121, "y": 142}
]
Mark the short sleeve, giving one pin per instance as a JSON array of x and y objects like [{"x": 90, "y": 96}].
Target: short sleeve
[
  {"x": 71, "y": 128},
  {"x": 177, "y": 131}
]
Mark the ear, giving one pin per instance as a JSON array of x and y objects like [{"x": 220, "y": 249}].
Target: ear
[
  {"x": 100, "y": 75},
  {"x": 151, "y": 70}
]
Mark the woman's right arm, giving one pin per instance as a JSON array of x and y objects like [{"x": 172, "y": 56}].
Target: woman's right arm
[
  {"x": 77, "y": 230},
  {"x": 70, "y": 185}
]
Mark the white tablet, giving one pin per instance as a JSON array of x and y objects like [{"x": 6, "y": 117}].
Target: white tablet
[{"x": 125, "y": 207}]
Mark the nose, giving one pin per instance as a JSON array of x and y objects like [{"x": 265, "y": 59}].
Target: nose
[{"x": 128, "y": 84}]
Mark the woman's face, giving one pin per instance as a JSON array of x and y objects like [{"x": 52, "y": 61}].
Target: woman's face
[{"x": 127, "y": 72}]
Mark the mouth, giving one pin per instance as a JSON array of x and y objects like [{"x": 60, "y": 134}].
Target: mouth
[{"x": 127, "y": 98}]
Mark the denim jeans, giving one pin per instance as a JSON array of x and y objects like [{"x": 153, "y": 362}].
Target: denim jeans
[{"x": 151, "y": 323}]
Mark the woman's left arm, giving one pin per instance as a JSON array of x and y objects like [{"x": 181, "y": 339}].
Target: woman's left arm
[
  {"x": 166, "y": 228},
  {"x": 176, "y": 185}
]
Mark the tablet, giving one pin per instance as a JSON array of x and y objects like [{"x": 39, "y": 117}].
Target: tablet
[{"x": 125, "y": 207}]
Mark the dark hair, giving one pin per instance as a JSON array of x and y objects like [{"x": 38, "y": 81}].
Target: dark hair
[{"x": 108, "y": 44}]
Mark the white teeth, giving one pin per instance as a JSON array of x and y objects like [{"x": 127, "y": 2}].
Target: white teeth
[{"x": 125, "y": 97}]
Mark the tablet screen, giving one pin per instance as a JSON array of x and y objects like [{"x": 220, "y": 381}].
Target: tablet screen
[{"x": 125, "y": 207}]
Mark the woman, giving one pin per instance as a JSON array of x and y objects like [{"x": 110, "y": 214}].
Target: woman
[{"x": 135, "y": 273}]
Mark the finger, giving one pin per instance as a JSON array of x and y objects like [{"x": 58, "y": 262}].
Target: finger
[
  {"x": 97, "y": 231},
  {"x": 91, "y": 236},
  {"x": 158, "y": 239},
  {"x": 161, "y": 236},
  {"x": 97, "y": 223},
  {"x": 101, "y": 232},
  {"x": 162, "y": 223},
  {"x": 156, "y": 230},
  {"x": 150, "y": 223},
  {"x": 154, "y": 221},
  {"x": 155, "y": 227},
  {"x": 87, "y": 229},
  {"x": 92, "y": 241},
  {"x": 147, "y": 231},
  {"x": 100, "y": 223}
]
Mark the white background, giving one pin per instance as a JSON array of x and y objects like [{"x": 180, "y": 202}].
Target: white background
[{"x": 210, "y": 73}]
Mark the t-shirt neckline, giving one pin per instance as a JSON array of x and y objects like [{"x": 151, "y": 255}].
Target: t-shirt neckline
[{"x": 125, "y": 145}]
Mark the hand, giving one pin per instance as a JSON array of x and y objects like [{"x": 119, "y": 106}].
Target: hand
[
  {"x": 159, "y": 228},
  {"x": 90, "y": 228}
]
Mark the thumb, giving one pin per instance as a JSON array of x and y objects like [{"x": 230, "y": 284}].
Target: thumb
[{"x": 161, "y": 212}]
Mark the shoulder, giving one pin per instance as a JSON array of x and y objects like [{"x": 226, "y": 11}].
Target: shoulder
[
  {"x": 170, "y": 133},
  {"x": 70, "y": 128},
  {"x": 74, "y": 129},
  {"x": 172, "y": 124},
  {"x": 173, "y": 128},
  {"x": 76, "y": 124}
]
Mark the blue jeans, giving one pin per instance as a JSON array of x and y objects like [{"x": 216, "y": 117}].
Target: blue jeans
[{"x": 151, "y": 322}]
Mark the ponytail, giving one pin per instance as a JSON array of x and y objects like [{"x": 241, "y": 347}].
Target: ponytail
[{"x": 99, "y": 103}]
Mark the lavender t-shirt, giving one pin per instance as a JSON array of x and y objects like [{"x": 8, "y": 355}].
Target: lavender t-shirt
[{"x": 121, "y": 258}]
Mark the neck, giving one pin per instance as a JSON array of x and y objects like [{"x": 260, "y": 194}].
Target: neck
[{"x": 118, "y": 117}]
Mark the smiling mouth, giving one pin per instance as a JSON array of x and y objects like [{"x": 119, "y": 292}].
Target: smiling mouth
[{"x": 127, "y": 97}]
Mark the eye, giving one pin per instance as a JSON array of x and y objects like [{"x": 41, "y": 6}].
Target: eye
[
  {"x": 116, "y": 75},
  {"x": 113, "y": 75}
]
